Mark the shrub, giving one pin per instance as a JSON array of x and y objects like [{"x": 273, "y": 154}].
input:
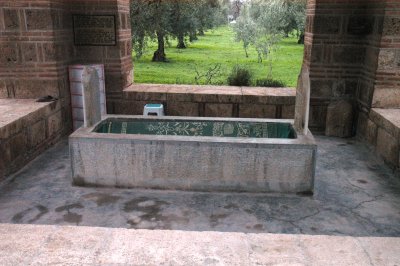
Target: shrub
[
  {"x": 208, "y": 76},
  {"x": 239, "y": 76},
  {"x": 270, "y": 83}
]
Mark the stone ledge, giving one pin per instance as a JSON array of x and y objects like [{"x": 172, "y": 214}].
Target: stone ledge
[
  {"x": 16, "y": 114},
  {"x": 384, "y": 134},
  {"x": 49, "y": 244},
  {"x": 27, "y": 128},
  {"x": 389, "y": 119},
  {"x": 206, "y": 93}
]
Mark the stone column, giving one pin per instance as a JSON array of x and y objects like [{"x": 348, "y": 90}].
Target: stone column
[
  {"x": 302, "y": 109},
  {"x": 91, "y": 96}
]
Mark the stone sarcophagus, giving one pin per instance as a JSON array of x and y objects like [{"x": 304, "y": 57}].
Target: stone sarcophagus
[{"x": 188, "y": 153}]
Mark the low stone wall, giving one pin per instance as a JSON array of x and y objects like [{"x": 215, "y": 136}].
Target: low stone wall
[
  {"x": 381, "y": 129},
  {"x": 27, "y": 128},
  {"x": 197, "y": 163},
  {"x": 209, "y": 101}
]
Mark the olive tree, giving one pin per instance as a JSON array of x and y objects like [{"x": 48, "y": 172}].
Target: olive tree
[
  {"x": 260, "y": 25},
  {"x": 263, "y": 23},
  {"x": 245, "y": 29},
  {"x": 162, "y": 19},
  {"x": 150, "y": 20}
]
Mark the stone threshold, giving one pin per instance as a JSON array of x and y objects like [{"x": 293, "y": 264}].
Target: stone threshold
[
  {"x": 68, "y": 245},
  {"x": 208, "y": 93}
]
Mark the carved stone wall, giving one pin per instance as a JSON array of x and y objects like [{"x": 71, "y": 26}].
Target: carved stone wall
[{"x": 37, "y": 45}]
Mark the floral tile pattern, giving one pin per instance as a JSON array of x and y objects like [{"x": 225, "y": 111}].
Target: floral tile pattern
[{"x": 198, "y": 128}]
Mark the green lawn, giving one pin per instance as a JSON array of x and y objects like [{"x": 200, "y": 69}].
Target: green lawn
[{"x": 218, "y": 46}]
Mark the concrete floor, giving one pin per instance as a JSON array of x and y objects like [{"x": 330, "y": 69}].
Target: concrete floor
[
  {"x": 355, "y": 195},
  {"x": 80, "y": 245}
]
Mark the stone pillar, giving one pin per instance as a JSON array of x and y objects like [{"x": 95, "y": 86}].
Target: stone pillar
[
  {"x": 302, "y": 109},
  {"x": 91, "y": 96}
]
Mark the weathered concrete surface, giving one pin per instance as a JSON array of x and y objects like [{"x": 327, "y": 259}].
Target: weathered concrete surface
[
  {"x": 50, "y": 245},
  {"x": 197, "y": 163},
  {"x": 339, "y": 119},
  {"x": 355, "y": 195}
]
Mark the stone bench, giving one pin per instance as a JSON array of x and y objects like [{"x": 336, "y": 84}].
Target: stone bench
[
  {"x": 27, "y": 128},
  {"x": 210, "y": 101},
  {"x": 384, "y": 133}
]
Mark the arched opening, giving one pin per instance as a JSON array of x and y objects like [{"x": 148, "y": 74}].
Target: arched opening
[
  {"x": 220, "y": 101},
  {"x": 213, "y": 42}
]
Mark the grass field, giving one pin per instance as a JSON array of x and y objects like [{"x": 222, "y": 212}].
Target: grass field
[{"x": 218, "y": 46}]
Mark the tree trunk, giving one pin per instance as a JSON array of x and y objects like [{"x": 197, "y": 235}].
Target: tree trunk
[
  {"x": 193, "y": 37},
  {"x": 181, "y": 42},
  {"x": 245, "y": 47},
  {"x": 301, "y": 39},
  {"x": 159, "y": 55}
]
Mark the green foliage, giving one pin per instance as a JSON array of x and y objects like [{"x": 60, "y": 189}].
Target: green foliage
[
  {"x": 263, "y": 23},
  {"x": 246, "y": 29},
  {"x": 144, "y": 26},
  {"x": 239, "y": 76},
  {"x": 158, "y": 19},
  {"x": 207, "y": 77},
  {"x": 270, "y": 83},
  {"x": 217, "y": 46},
  {"x": 295, "y": 16},
  {"x": 259, "y": 25}
]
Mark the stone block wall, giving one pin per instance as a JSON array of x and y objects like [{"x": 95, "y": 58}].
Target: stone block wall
[
  {"x": 35, "y": 50},
  {"x": 32, "y": 50},
  {"x": 36, "y": 47},
  {"x": 381, "y": 130},
  {"x": 387, "y": 87},
  {"x": 211, "y": 101},
  {"x": 341, "y": 47},
  {"x": 379, "y": 86}
]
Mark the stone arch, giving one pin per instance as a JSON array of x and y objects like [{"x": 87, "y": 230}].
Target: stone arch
[{"x": 351, "y": 48}]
